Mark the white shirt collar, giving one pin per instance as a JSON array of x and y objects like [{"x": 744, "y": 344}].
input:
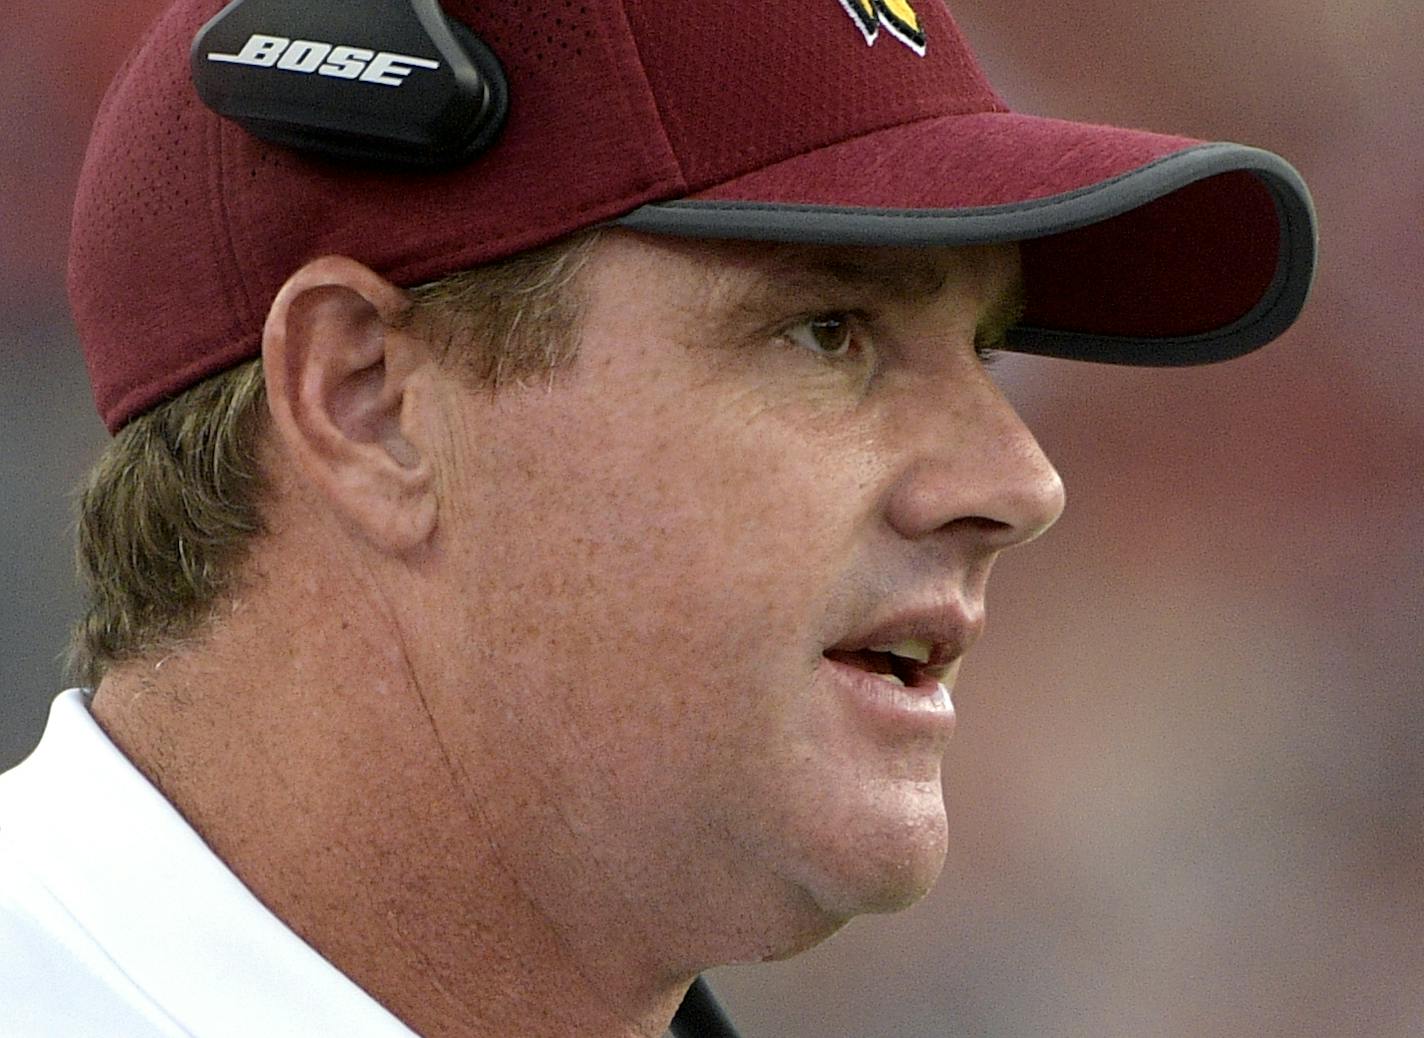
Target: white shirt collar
[{"x": 163, "y": 907}]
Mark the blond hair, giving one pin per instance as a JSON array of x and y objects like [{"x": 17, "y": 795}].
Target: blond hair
[{"x": 167, "y": 514}]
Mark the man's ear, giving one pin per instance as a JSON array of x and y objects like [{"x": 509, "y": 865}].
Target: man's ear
[{"x": 352, "y": 399}]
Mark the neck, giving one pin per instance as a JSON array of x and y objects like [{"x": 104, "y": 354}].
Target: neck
[{"x": 313, "y": 768}]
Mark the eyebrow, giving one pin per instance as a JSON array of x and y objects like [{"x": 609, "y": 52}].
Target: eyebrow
[{"x": 909, "y": 282}]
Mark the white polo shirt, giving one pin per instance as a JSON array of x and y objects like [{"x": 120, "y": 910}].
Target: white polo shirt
[{"x": 117, "y": 921}]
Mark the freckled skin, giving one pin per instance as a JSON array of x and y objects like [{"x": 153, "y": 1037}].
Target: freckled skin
[
  {"x": 524, "y": 743},
  {"x": 653, "y": 555}
]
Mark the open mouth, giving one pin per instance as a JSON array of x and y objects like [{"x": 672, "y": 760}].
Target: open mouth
[
  {"x": 886, "y": 665},
  {"x": 896, "y": 687}
]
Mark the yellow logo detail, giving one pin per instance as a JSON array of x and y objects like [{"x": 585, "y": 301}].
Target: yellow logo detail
[{"x": 897, "y": 16}]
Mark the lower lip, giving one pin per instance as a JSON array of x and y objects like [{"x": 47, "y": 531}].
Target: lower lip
[{"x": 924, "y": 710}]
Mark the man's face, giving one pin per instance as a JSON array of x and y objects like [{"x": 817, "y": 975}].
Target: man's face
[{"x": 762, "y": 453}]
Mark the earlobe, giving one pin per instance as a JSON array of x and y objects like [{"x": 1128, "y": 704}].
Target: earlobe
[{"x": 351, "y": 399}]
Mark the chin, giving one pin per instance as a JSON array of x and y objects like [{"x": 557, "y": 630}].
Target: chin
[
  {"x": 837, "y": 858},
  {"x": 879, "y": 887},
  {"x": 884, "y": 864}
]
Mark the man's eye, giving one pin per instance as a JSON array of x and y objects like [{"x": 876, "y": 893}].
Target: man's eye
[{"x": 830, "y": 335}]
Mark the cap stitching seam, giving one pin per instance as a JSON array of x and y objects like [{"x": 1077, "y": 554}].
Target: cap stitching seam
[
  {"x": 657, "y": 101},
  {"x": 244, "y": 300}
]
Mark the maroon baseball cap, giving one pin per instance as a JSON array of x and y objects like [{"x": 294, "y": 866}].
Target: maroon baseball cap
[{"x": 864, "y": 122}]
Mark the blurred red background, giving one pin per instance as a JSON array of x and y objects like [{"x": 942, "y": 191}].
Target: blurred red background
[{"x": 1187, "y": 792}]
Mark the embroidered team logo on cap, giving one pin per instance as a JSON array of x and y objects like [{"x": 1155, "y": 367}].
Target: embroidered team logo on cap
[{"x": 897, "y": 16}]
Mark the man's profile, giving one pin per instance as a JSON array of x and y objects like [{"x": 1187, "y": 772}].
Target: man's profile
[{"x": 543, "y": 527}]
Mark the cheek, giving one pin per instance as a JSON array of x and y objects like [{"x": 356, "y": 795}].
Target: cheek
[
  {"x": 648, "y": 566},
  {"x": 644, "y": 603}
]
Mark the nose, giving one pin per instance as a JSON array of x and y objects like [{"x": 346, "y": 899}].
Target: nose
[{"x": 971, "y": 467}]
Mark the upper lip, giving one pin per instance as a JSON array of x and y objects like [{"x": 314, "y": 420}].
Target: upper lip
[{"x": 951, "y": 628}]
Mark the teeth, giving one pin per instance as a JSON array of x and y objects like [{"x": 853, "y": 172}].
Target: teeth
[
  {"x": 911, "y": 649},
  {"x": 890, "y": 678}
]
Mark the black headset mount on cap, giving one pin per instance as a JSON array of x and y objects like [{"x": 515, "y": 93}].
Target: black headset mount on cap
[{"x": 386, "y": 83}]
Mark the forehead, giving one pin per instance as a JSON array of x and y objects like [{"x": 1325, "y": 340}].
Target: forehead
[{"x": 901, "y": 271}]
